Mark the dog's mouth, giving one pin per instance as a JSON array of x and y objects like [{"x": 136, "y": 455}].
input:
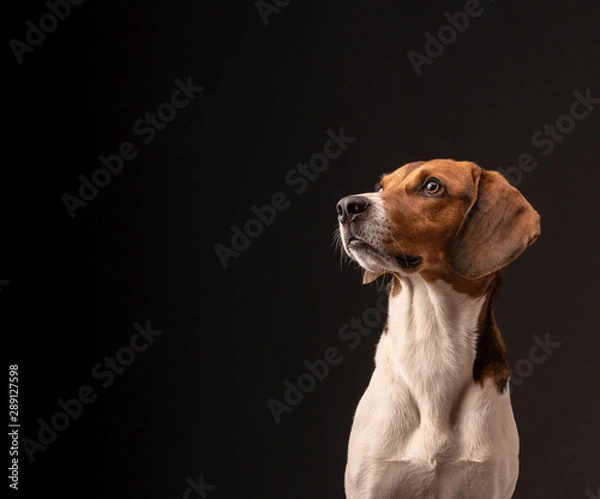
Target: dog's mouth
[{"x": 406, "y": 262}]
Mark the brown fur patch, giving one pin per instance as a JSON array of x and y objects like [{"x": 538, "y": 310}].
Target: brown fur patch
[
  {"x": 369, "y": 276},
  {"x": 477, "y": 225},
  {"x": 395, "y": 285},
  {"x": 501, "y": 222},
  {"x": 423, "y": 226},
  {"x": 491, "y": 360}
]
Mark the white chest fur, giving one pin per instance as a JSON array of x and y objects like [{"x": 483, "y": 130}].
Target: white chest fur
[{"x": 424, "y": 429}]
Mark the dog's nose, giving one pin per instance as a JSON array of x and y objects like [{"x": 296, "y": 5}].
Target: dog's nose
[{"x": 350, "y": 207}]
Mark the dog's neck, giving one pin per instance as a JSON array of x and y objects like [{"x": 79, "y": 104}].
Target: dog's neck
[{"x": 435, "y": 333}]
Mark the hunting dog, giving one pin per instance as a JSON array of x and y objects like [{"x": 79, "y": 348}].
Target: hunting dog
[{"x": 436, "y": 421}]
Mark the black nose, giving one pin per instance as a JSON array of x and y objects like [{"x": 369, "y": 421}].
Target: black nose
[{"x": 350, "y": 207}]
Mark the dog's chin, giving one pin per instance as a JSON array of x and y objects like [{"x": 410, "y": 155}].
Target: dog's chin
[
  {"x": 376, "y": 263},
  {"x": 371, "y": 260}
]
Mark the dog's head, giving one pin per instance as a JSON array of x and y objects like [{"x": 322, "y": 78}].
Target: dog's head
[{"x": 441, "y": 218}]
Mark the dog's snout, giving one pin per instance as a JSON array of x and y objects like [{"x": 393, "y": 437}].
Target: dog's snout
[{"x": 350, "y": 207}]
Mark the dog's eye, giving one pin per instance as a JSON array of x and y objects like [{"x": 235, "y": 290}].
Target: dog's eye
[
  {"x": 378, "y": 187},
  {"x": 433, "y": 186}
]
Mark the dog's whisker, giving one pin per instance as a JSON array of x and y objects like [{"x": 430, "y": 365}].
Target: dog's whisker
[
  {"x": 337, "y": 242},
  {"x": 395, "y": 240}
]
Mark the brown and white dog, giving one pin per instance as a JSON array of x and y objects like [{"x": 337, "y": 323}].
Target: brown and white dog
[{"x": 436, "y": 421}]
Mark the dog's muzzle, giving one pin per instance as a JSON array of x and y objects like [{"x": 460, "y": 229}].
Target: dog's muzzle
[
  {"x": 352, "y": 207},
  {"x": 361, "y": 231},
  {"x": 361, "y": 227}
]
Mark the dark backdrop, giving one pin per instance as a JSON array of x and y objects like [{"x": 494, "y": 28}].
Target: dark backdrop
[{"x": 194, "y": 403}]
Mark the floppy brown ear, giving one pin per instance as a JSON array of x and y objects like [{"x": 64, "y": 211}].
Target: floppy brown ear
[{"x": 496, "y": 230}]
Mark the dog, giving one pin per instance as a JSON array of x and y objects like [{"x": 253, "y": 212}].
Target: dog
[{"x": 436, "y": 420}]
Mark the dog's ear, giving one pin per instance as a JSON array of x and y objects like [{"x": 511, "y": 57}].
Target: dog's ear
[{"x": 498, "y": 227}]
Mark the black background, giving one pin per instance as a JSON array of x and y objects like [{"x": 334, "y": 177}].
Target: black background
[{"x": 195, "y": 402}]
